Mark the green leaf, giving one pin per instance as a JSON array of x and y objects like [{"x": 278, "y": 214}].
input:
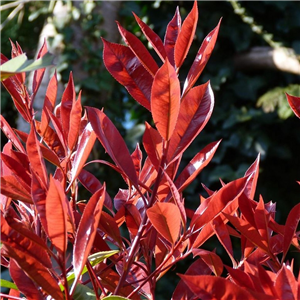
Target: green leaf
[
  {"x": 20, "y": 64},
  {"x": 115, "y": 298},
  {"x": 7, "y": 284},
  {"x": 82, "y": 292}
]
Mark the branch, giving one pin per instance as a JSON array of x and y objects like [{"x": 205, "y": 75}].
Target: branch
[{"x": 283, "y": 59}]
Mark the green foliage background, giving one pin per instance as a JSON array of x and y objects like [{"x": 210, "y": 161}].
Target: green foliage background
[{"x": 251, "y": 114}]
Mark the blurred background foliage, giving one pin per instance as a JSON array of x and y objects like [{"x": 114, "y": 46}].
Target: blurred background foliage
[{"x": 251, "y": 113}]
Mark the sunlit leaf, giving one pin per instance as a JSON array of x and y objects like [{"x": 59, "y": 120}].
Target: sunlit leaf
[
  {"x": 165, "y": 217},
  {"x": 165, "y": 100},
  {"x": 294, "y": 103}
]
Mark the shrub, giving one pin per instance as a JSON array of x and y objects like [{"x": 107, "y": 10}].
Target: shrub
[{"x": 57, "y": 245}]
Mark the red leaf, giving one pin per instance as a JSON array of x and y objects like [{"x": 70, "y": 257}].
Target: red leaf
[
  {"x": 37, "y": 163},
  {"x": 213, "y": 261},
  {"x": 208, "y": 287},
  {"x": 67, "y": 100},
  {"x": 49, "y": 102},
  {"x": 186, "y": 36},
  {"x": 10, "y": 134},
  {"x": 290, "y": 228},
  {"x": 112, "y": 142},
  {"x": 152, "y": 142},
  {"x": 139, "y": 50},
  {"x": 251, "y": 186},
  {"x": 218, "y": 202},
  {"x": 195, "y": 111},
  {"x": 38, "y": 74},
  {"x": 75, "y": 122},
  {"x": 286, "y": 284},
  {"x": 294, "y": 103},
  {"x": 86, "y": 142},
  {"x": 198, "y": 267},
  {"x": 137, "y": 157},
  {"x": 92, "y": 184},
  {"x": 86, "y": 232},
  {"x": 125, "y": 67},
  {"x": 171, "y": 36},
  {"x": 24, "y": 284},
  {"x": 201, "y": 59},
  {"x": 153, "y": 38},
  {"x": 165, "y": 100},
  {"x": 11, "y": 187},
  {"x": 165, "y": 217},
  {"x": 35, "y": 270},
  {"x": 196, "y": 165},
  {"x": 56, "y": 218}
]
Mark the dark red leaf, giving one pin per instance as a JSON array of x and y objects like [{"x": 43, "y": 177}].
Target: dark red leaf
[
  {"x": 35, "y": 270},
  {"x": 86, "y": 232},
  {"x": 195, "y": 111},
  {"x": 294, "y": 103},
  {"x": 67, "y": 100},
  {"x": 207, "y": 287},
  {"x": 11, "y": 187},
  {"x": 75, "y": 122},
  {"x": 153, "y": 38},
  {"x": 251, "y": 186},
  {"x": 165, "y": 217},
  {"x": 56, "y": 218},
  {"x": 85, "y": 144},
  {"x": 137, "y": 157},
  {"x": 132, "y": 219},
  {"x": 286, "y": 284},
  {"x": 186, "y": 36},
  {"x": 23, "y": 282},
  {"x": 196, "y": 165},
  {"x": 35, "y": 157},
  {"x": 38, "y": 74},
  {"x": 10, "y": 134},
  {"x": 152, "y": 142},
  {"x": 139, "y": 50},
  {"x": 290, "y": 228},
  {"x": 49, "y": 102},
  {"x": 165, "y": 100},
  {"x": 171, "y": 36},
  {"x": 112, "y": 142},
  {"x": 125, "y": 67},
  {"x": 201, "y": 59},
  {"x": 213, "y": 261}
]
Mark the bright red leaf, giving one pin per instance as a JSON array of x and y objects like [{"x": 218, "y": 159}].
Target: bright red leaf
[
  {"x": 165, "y": 100},
  {"x": 165, "y": 217},
  {"x": 294, "y": 103}
]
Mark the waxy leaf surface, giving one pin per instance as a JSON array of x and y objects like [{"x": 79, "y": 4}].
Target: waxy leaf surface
[
  {"x": 294, "y": 103},
  {"x": 165, "y": 100}
]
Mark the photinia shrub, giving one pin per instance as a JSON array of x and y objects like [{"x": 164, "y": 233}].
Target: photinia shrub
[{"x": 59, "y": 246}]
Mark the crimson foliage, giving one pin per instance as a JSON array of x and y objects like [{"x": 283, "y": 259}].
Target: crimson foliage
[{"x": 42, "y": 214}]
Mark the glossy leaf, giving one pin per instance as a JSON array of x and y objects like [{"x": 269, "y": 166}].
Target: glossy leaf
[
  {"x": 201, "y": 59},
  {"x": 165, "y": 217},
  {"x": 186, "y": 36},
  {"x": 112, "y": 142},
  {"x": 251, "y": 186},
  {"x": 56, "y": 218},
  {"x": 165, "y": 100},
  {"x": 10, "y": 134},
  {"x": 208, "y": 287},
  {"x": 85, "y": 144},
  {"x": 290, "y": 228},
  {"x": 86, "y": 232},
  {"x": 196, "y": 165},
  {"x": 24, "y": 283},
  {"x": 125, "y": 67},
  {"x": 195, "y": 111},
  {"x": 35, "y": 270},
  {"x": 286, "y": 284},
  {"x": 153, "y": 38},
  {"x": 152, "y": 142},
  {"x": 139, "y": 50},
  {"x": 294, "y": 103},
  {"x": 171, "y": 36},
  {"x": 11, "y": 187}
]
